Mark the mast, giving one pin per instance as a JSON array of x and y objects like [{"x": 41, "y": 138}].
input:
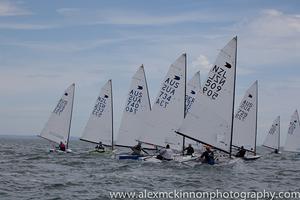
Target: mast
[
  {"x": 184, "y": 106},
  {"x": 279, "y": 134},
  {"x": 112, "y": 117},
  {"x": 146, "y": 87},
  {"x": 256, "y": 117},
  {"x": 234, "y": 81},
  {"x": 67, "y": 145}
]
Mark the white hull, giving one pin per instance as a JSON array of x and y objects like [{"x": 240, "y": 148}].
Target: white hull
[
  {"x": 251, "y": 157},
  {"x": 59, "y": 151},
  {"x": 193, "y": 162}
]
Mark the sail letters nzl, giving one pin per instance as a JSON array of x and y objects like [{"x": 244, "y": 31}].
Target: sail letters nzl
[
  {"x": 216, "y": 80},
  {"x": 167, "y": 91},
  {"x": 99, "y": 106}
]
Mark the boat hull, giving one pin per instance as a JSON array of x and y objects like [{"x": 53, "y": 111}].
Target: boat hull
[{"x": 251, "y": 157}]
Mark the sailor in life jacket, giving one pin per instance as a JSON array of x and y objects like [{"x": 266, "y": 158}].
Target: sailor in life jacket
[
  {"x": 208, "y": 156},
  {"x": 189, "y": 150},
  {"x": 137, "y": 149},
  {"x": 241, "y": 153},
  {"x": 100, "y": 147},
  {"x": 166, "y": 154},
  {"x": 62, "y": 146}
]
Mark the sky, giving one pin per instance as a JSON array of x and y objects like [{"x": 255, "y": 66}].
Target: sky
[{"x": 47, "y": 45}]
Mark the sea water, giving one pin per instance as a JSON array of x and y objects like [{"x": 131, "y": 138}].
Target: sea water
[{"x": 29, "y": 171}]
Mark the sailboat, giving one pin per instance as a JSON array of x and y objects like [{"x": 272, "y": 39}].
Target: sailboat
[
  {"x": 57, "y": 128},
  {"x": 245, "y": 123},
  {"x": 168, "y": 110},
  {"x": 99, "y": 127},
  {"x": 210, "y": 119},
  {"x": 272, "y": 140},
  {"x": 292, "y": 142},
  {"x": 192, "y": 89},
  {"x": 136, "y": 107}
]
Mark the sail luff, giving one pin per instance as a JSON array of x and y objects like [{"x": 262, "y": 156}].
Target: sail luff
[
  {"x": 279, "y": 136},
  {"x": 256, "y": 108},
  {"x": 67, "y": 145},
  {"x": 112, "y": 116},
  {"x": 147, "y": 89},
  {"x": 234, "y": 81}
]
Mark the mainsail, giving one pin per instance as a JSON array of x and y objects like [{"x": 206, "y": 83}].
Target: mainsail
[
  {"x": 99, "y": 127},
  {"x": 245, "y": 120},
  {"x": 169, "y": 108},
  {"x": 292, "y": 142},
  {"x": 57, "y": 129},
  {"x": 273, "y": 137},
  {"x": 210, "y": 119},
  {"x": 136, "y": 107},
  {"x": 193, "y": 87}
]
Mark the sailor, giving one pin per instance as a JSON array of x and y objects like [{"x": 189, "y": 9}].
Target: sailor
[
  {"x": 276, "y": 151},
  {"x": 208, "y": 156},
  {"x": 100, "y": 147},
  {"x": 189, "y": 150},
  {"x": 62, "y": 146},
  {"x": 241, "y": 153},
  {"x": 137, "y": 149},
  {"x": 166, "y": 154}
]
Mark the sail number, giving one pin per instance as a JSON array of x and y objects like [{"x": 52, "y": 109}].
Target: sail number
[
  {"x": 134, "y": 101},
  {"x": 99, "y": 107},
  {"x": 292, "y": 127},
  {"x": 189, "y": 100},
  {"x": 167, "y": 91},
  {"x": 60, "y": 106},
  {"x": 244, "y": 110},
  {"x": 215, "y": 82}
]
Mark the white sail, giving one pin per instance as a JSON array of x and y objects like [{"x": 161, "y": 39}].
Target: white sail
[
  {"x": 273, "y": 137},
  {"x": 100, "y": 124},
  {"x": 210, "y": 119},
  {"x": 136, "y": 107},
  {"x": 169, "y": 108},
  {"x": 292, "y": 142},
  {"x": 193, "y": 87},
  {"x": 57, "y": 129},
  {"x": 245, "y": 120}
]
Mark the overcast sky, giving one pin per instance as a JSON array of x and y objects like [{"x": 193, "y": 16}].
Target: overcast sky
[{"x": 47, "y": 45}]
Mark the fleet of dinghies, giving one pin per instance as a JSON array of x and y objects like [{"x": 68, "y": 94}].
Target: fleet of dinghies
[{"x": 182, "y": 113}]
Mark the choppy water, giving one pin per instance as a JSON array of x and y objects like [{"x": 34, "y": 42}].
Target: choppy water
[{"x": 28, "y": 171}]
